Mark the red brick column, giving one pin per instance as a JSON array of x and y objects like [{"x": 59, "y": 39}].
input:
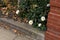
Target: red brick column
[{"x": 53, "y": 24}]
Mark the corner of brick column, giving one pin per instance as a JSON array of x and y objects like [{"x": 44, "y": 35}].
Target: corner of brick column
[{"x": 53, "y": 22}]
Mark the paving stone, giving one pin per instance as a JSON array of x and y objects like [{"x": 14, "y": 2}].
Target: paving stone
[
  {"x": 26, "y": 29},
  {"x": 6, "y": 34},
  {"x": 9, "y": 35},
  {"x": 23, "y": 38}
]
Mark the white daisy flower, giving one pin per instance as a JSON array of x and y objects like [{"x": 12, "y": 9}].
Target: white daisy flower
[
  {"x": 17, "y": 12},
  {"x": 35, "y": 5},
  {"x": 42, "y": 18},
  {"x": 30, "y": 22},
  {"x": 48, "y": 5},
  {"x": 39, "y": 25}
]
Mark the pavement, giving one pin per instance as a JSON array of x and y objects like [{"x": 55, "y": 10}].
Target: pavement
[
  {"x": 9, "y": 35},
  {"x": 29, "y": 32}
]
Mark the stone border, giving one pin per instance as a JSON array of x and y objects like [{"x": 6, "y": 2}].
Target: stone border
[{"x": 24, "y": 28}]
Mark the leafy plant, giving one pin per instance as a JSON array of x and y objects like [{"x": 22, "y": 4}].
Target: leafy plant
[{"x": 35, "y": 10}]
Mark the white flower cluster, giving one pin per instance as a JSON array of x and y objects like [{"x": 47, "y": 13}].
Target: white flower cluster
[{"x": 39, "y": 24}]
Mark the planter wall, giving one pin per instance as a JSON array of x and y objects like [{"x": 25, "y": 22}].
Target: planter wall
[{"x": 53, "y": 22}]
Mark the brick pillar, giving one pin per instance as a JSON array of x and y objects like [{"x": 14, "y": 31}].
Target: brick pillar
[{"x": 53, "y": 22}]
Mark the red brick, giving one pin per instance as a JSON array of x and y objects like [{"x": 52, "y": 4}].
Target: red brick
[
  {"x": 53, "y": 31},
  {"x": 55, "y": 10},
  {"x": 54, "y": 15},
  {"x": 54, "y": 27},
  {"x": 54, "y": 21},
  {"x": 55, "y": 3},
  {"x": 48, "y": 38},
  {"x": 52, "y": 36}
]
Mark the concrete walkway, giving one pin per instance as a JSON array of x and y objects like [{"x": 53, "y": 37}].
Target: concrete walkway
[
  {"x": 9, "y": 35},
  {"x": 31, "y": 33}
]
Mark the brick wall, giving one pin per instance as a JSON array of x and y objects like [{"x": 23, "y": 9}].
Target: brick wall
[{"x": 53, "y": 22}]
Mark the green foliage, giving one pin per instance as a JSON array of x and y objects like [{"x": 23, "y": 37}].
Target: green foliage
[
  {"x": 34, "y": 10},
  {"x": 14, "y": 2}
]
